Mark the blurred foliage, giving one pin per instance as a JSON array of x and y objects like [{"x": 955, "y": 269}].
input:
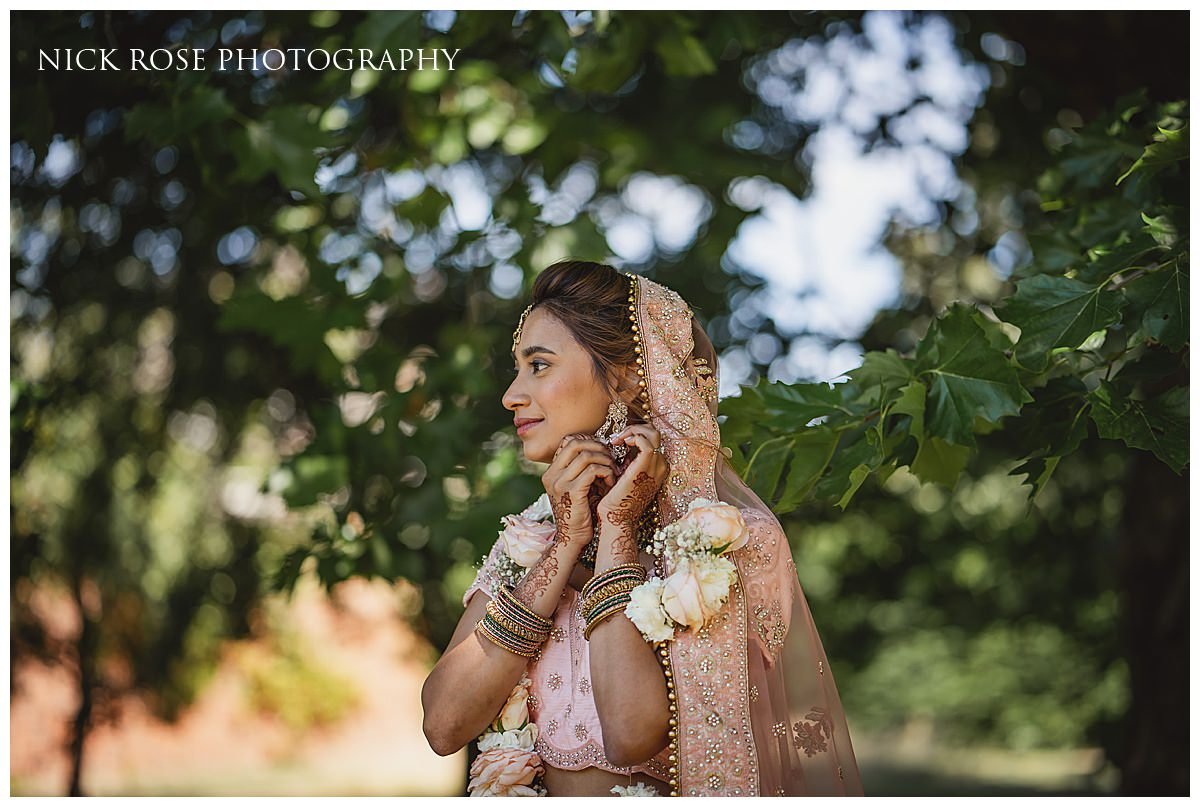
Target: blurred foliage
[
  {"x": 290, "y": 683},
  {"x": 257, "y": 326},
  {"x": 1102, "y": 309}
]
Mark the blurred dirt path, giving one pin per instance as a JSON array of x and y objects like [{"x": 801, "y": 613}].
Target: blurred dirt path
[{"x": 220, "y": 747}]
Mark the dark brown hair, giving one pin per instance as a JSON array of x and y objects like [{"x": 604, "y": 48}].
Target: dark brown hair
[{"x": 592, "y": 301}]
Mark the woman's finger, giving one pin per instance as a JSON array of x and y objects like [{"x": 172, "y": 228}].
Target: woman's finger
[
  {"x": 645, "y": 429},
  {"x": 580, "y": 465},
  {"x": 573, "y": 452}
]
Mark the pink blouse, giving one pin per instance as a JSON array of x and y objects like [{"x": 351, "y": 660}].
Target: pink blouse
[{"x": 560, "y": 700}]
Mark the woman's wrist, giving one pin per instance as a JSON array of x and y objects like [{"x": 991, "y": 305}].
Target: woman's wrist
[
  {"x": 542, "y": 586},
  {"x": 618, "y": 544}
]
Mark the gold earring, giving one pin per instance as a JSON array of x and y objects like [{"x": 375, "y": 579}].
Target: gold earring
[{"x": 617, "y": 419}]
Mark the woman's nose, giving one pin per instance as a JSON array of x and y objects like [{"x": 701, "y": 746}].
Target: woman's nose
[{"x": 513, "y": 397}]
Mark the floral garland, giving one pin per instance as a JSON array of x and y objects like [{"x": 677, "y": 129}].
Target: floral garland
[
  {"x": 694, "y": 590},
  {"x": 698, "y": 575},
  {"x": 507, "y": 765}
]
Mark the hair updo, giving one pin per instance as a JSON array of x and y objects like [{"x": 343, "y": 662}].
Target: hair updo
[{"x": 592, "y": 301}]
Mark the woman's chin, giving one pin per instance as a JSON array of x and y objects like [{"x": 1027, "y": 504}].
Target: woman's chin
[{"x": 534, "y": 453}]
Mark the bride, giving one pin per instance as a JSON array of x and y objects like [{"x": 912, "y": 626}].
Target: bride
[{"x": 616, "y": 391}]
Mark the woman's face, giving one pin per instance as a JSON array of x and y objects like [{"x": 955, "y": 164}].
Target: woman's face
[{"x": 555, "y": 385}]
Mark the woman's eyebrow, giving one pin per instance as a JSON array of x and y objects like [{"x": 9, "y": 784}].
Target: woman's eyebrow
[{"x": 529, "y": 351}]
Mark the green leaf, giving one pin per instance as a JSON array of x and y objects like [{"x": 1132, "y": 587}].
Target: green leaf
[
  {"x": 1159, "y": 425},
  {"x": 936, "y": 460},
  {"x": 967, "y": 377},
  {"x": 1108, "y": 260},
  {"x": 283, "y": 142},
  {"x": 886, "y": 369},
  {"x": 940, "y": 461},
  {"x": 791, "y": 406},
  {"x": 1162, "y": 296},
  {"x": 289, "y": 323},
  {"x": 1037, "y": 470},
  {"x": 813, "y": 449},
  {"x": 1162, "y": 229},
  {"x": 381, "y": 30},
  {"x": 912, "y": 403},
  {"x": 1054, "y": 251},
  {"x": 1172, "y": 148},
  {"x": 314, "y": 475},
  {"x": 852, "y": 451},
  {"x": 1057, "y": 312},
  {"x": 608, "y": 63},
  {"x": 188, "y": 112},
  {"x": 1054, "y": 427},
  {"x": 857, "y": 475},
  {"x": 766, "y": 465},
  {"x": 1093, "y": 156},
  {"x": 683, "y": 55}
]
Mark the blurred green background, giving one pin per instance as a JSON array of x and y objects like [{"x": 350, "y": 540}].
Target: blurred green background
[{"x": 260, "y": 324}]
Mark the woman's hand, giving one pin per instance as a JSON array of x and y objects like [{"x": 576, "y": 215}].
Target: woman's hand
[
  {"x": 577, "y": 465},
  {"x": 635, "y": 488}
]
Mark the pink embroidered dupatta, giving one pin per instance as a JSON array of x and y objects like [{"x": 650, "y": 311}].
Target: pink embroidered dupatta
[{"x": 758, "y": 710}]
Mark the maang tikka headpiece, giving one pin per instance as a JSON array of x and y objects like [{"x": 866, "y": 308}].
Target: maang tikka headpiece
[{"x": 520, "y": 325}]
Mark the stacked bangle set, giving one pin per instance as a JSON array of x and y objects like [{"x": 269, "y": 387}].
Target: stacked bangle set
[
  {"x": 607, "y": 594},
  {"x": 513, "y": 625},
  {"x": 517, "y": 628}
]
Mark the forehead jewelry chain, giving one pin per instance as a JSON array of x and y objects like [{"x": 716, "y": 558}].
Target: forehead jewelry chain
[{"x": 520, "y": 325}]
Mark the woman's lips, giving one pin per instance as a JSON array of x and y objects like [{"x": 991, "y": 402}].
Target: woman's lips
[{"x": 524, "y": 427}]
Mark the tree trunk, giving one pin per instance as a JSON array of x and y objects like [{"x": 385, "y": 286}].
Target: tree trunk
[
  {"x": 86, "y": 648},
  {"x": 1154, "y": 578}
]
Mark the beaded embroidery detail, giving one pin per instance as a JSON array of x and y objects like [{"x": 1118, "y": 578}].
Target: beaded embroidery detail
[{"x": 714, "y": 750}]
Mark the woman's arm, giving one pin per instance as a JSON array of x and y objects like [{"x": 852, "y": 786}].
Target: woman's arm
[
  {"x": 468, "y": 686},
  {"x": 627, "y": 682}
]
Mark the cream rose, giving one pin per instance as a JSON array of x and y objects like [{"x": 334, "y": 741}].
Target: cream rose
[
  {"x": 539, "y": 510},
  {"x": 525, "y": 540},
  {"x": 521, "y": 739},
  {"x": 723, "y": 523},
  {"x": 697, "y": 589},
  {"x": 646, "y": 613},
  {"x": 504, "y": 772},
  {"x": 515, "y": 712}
]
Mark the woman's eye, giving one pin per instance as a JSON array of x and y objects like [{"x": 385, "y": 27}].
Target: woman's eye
[{"x": 536, "y": 364}]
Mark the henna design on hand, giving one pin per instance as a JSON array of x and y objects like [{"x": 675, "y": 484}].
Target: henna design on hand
[
  {"x": 625, "y": 515},
  {"x": 538, "y": 579},
  {"x": 562, "y": 512}
]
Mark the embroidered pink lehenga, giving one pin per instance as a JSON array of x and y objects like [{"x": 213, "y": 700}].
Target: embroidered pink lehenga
[{"x": 757, "y": 708}]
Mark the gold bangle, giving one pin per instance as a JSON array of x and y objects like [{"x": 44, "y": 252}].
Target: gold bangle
[
  {"x": 596, "y": 619},
  {"x": 608, "y": 590},
  {"x": 624, "y": 571},
  {"x": 503, "y": 620},
  {"x": 536, "y": 619},
  {"x": 509, "y": 643}
]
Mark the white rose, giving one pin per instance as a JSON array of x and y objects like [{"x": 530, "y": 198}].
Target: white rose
[
  {"x": 639, "y": 789},
  {"x": 522, "y": 739},
  {"x": 525, "y": 540},
  {"x": 539, "y": 510},
  {"x": 646, "y": 613}
]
